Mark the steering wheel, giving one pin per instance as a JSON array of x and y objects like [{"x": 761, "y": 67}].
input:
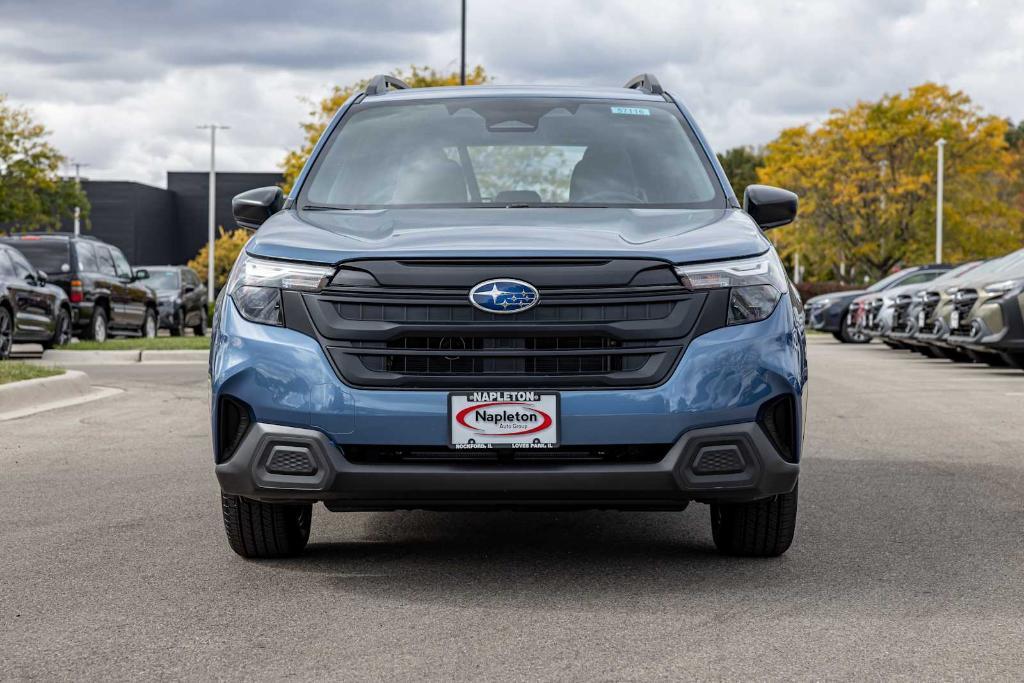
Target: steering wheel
[{"x": 612, "y": 196}]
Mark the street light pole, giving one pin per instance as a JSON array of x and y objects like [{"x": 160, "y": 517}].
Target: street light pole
[
  {"x": 211, "y": 227},
  {"x": 78, "y": 209},
  {"x": 462, "y": 68},
  {"x": 941, "y": 144}
]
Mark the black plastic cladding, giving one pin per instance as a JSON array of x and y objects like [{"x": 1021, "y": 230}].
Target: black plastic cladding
[{"x": 566, "y": 285}]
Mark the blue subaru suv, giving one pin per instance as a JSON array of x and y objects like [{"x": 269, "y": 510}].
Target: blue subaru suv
[{"x": 509, "y": 298}]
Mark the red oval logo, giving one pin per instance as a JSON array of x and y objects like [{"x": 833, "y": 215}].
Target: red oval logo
[{"x": 545, "y": 419}]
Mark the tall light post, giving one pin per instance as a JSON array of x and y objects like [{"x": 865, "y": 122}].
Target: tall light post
[
  {"x": 78, "y": 185},
  {"x": 941, "y": 144},
  {"x": 462, "y": 62},
  {"x": 210, "y": 279}
]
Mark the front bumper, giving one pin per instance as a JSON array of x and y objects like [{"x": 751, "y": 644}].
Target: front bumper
[
  {"x": 716, "y": 391},
  {"x": 670, "y": 483}
]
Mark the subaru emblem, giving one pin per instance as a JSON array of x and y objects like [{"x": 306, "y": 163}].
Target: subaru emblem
[{"x": 504, "y": 296}]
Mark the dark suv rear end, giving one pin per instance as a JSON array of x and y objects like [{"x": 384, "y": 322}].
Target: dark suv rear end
[{"x": 107, "y": 296}]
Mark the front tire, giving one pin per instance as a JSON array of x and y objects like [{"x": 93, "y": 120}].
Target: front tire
[
  {"x": 6, "y": 333},
  {"x": 200, "y": 329},
  {"x": 61, "y": 332},
  {"x": 177, "y": 327},
  {"x": 761, "y": 528},
  {"x": 260, "y": 530},
  {"x": 149, "y": 324},
  {"x": 851, "y": 337}
]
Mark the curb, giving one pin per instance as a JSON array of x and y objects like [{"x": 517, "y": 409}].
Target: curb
[
  {"x": 30, "y": 396},
  {"x": 121, "y": 357},
  {"x": 174, "y": 356}
]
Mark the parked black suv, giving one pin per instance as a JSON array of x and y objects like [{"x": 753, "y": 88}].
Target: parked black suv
[
  {"x": 180, "y": 297},
  {"x": 105, "y": 293},
  {"x": 30, "y": 309}
]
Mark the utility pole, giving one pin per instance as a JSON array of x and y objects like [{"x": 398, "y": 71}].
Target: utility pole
[
  {"x": 941, "y": 144},
  {"x": 210, "y": 279},
  {"x": 462, "y": 68},
  {"x": 78, "y": 184}
]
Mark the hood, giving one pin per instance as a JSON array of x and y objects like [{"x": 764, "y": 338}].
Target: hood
[
  {"x": 675, "y": 235},
  {"x": 836, "y": 296}
]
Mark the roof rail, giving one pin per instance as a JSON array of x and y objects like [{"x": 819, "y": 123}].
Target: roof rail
[
  {"x": 645, "y": 83},
  {"x": 379, "y": 84}
]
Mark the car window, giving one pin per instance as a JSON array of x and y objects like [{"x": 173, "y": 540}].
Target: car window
[
  {"x": 106, "y": 261},
  {"x": 86, "y": 258},
  {"x": 121, "y": 263},
  {"x": 923, "y": 276},
  {"x": 21, "y": 266},
  {"x": 49, "y": 255},
  {"x": 481, "y": 152},
  {"x": 162, "y": 278},
  {"x": 192, "y": 279},
  {"x": 6, "y": 269}
]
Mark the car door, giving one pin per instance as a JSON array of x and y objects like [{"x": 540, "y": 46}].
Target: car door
[
  {"x": 34, "y": 305},
  {"x": 134, "y": 295},
  {"x": 109, "y": 281}
]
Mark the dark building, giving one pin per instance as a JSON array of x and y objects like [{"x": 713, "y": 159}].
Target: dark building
[{"x": 156, "y": 226}]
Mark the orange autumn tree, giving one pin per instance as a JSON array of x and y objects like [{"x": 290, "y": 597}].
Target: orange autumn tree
[{"x": 866, "y": 181}]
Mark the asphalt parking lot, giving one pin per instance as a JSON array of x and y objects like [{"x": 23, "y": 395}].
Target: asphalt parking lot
[{"x": 907, "y": 563}]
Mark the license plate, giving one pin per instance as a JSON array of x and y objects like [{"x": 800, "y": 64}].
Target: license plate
[
  {"x": 503, "y": 419},
  {"x": 920, "y": 320},
  {"x": 954, "y": 319}
]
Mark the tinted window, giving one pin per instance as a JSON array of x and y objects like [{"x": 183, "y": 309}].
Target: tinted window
[
  {"x": 106, "y": 261},
  {"x": 192, "y": 279},
  {"x": 51, "y": 256},
  {"x": 86, "y": 258},
  {"x": 22, "y": 267},
  {"x": 514, "y": 151},
  {"x": 121, "y": 263}
]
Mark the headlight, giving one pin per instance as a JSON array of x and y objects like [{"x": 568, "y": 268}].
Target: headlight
[
  {"x": 1003, "y": 287},
  {"x": 756, "y": 284},
  {"x": 255, "y": 285},
  {"x": 822, "y": 303}
]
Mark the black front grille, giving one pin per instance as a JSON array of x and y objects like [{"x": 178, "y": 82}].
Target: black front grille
[
  {"x": 411, "y": 455},
  {"x": 597, "y": 324},
  {"x": 963, "y": 302}
]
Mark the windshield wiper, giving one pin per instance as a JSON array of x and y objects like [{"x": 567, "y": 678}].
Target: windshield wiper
[{"x": 314, "y": 207}]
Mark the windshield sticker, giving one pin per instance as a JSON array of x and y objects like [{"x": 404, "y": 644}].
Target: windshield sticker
[{"x": 632, "y": 111}]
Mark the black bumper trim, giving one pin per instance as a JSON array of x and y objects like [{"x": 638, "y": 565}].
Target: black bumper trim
[{"x": 672, "y": 481}]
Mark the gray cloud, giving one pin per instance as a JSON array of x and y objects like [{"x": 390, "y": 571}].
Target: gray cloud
[{"x": 123, "y": 84}]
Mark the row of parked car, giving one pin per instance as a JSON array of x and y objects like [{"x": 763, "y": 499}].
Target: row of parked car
[
  {"x": 973, "y": 312},
  {"x": 55, "y": 286}
]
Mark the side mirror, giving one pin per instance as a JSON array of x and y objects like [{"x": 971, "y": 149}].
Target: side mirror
[
  {"x": 770, "y": 207},
  {"x": 252, "y": 208},
  {"x": 141, "y": 274},
  {"x": 189, "y": 289},
  {"x": 41, "y": 278}
]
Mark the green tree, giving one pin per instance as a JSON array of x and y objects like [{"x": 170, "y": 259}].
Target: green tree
[
  {"x": 740, "y": 165},
  {"x": 866, "y": 181},
  {"x": 32, "y": 194},
  {"x": 323, "y": 112}
]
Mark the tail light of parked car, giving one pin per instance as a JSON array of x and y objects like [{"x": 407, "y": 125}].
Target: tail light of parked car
[{"x": 76, "y": 295}]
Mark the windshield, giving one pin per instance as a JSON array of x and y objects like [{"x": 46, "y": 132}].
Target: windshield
[
  {"x": 50, "y": 256},
  {"x": 486, "y": 152},
  {"x": 886, "y": 281},
  {"x": 162, "y": 278}
]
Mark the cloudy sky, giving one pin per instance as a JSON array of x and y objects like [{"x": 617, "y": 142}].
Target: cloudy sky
[{"x": 122, "y": 84}]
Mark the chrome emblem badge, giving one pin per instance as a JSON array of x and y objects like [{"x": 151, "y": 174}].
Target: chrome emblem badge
[{"x": 504, "y": 296}]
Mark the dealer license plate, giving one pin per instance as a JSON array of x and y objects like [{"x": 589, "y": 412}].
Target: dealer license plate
[
  {"x": 503, "y": 419},
  {"x": 954, "y": 320},
  {"x": 920, "y": 320}
]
